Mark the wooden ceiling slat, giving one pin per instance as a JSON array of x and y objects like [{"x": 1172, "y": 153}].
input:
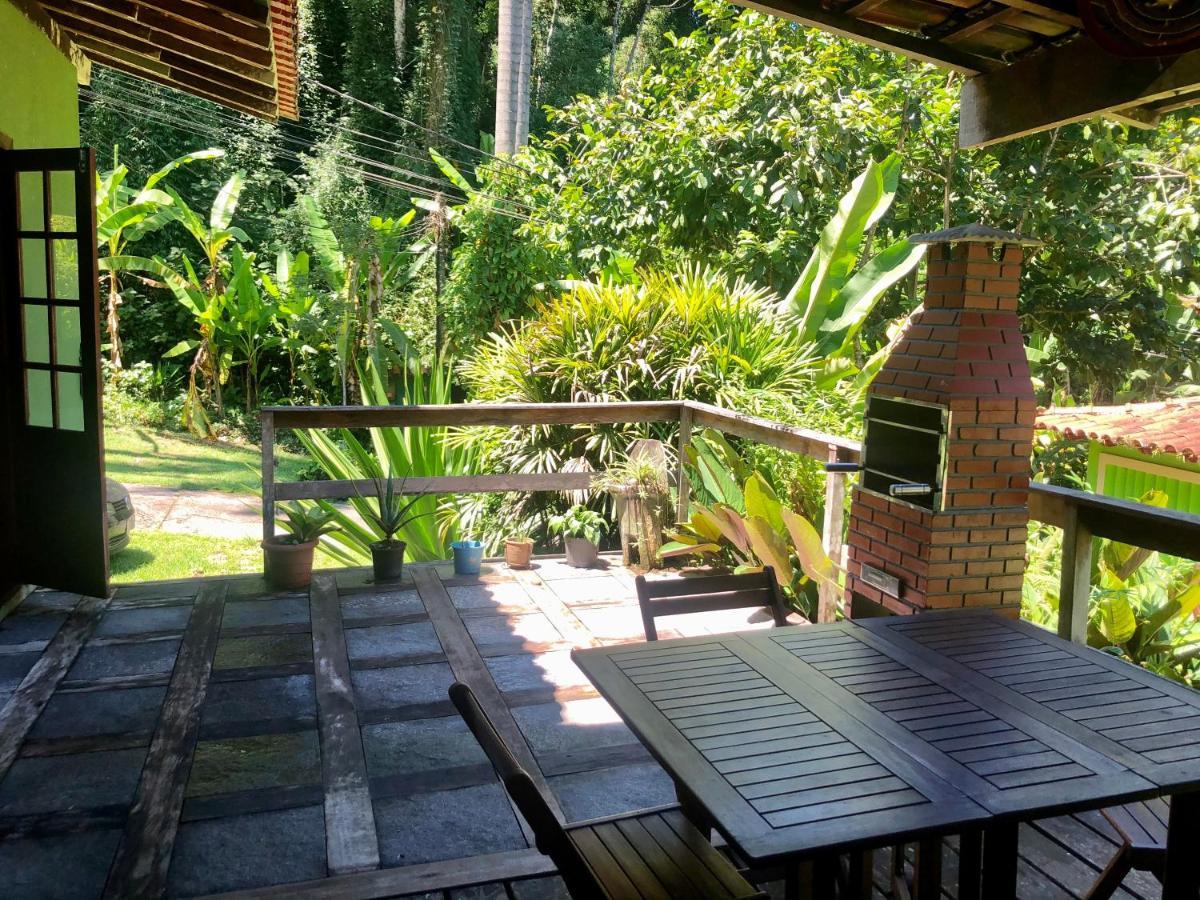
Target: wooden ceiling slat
[
  {"x": 170, "y": 32},
  {"x": 123, "y": 44},
  {"x": 256, "y": 34},
  {"x": 118, "y": 32},
  {"x": 217, "y": 94}
]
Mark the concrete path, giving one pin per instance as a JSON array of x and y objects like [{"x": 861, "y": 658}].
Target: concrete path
[{"x": 207, "y": 513}]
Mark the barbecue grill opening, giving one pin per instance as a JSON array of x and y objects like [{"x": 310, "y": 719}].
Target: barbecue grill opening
[{"x": 904, "y": 450}]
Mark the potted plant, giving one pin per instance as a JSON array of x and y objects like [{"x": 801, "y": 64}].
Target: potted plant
[
  {"x": 638, "y": 483},
  {"x": 389, "y": 515},
  {"x": 289, "y": 557},
  {"x": 581, "y": 529},
  {"x": 518, "y": 549}
]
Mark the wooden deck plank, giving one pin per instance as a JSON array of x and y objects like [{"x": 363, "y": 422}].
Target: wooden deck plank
[
  {"x": 468, "y": 666},
  {"x": 144, "y": 855},
  {"x": 351, "y": 843},
  {"x": 36, "y": 688}
]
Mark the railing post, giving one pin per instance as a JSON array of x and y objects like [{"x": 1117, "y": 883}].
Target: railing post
[
  {"x": 268, "y": 478},
  {"x": 681, "y": 479},
  {"x": 831, "y": 536},
  {"x": 1075, "y": 588}
]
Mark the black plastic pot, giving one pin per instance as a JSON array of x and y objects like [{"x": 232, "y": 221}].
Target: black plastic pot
[{"x": 387, "y": 559}]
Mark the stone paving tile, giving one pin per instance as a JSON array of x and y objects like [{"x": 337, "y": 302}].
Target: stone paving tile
[
  {"x": 143, "y": 621},
  {"x": 259, "y": 761},
  {"x": 609, "y": 623},
  {"x": 419, "y": 745},
  {"x": 79, "y": 780},
  {"x": 100, "y": 712},
  {"x": 574, "y": 725},
  {"x": 453, "y": 824},
  {"x": 14, "y": 667},
  {"x": 384, "y": 603},
  {"x": 123, "y": 660},
  {"x": 493, "y": 891},
  {"x": 489, "y": 596},
  {"x": 592, "y": 590},
  {"x": 551, "y": 888},
  {"x": 607, "y": 792},
  {"x": 512, "y": 632},
  {"x": 248, "y": 851},
  {"x": 65, "y": 867},
  {"x": 47, "y": 602},
  {"x": 555, "y": 569},
  {"x": 529, "y": 671},
  {"x": 262, "y": 650},
  {"x": 259, "y": 698},
  {"x": 266, "y": 612},
  {"x": 401, "y": 685},
  {"x": 381, "y": 641},
  {"x": 24, "y": 629}
]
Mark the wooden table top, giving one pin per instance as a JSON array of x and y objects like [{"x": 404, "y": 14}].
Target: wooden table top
[
  {"x": 1141, "y": 720},
  {"x": 810, "y": 739}
]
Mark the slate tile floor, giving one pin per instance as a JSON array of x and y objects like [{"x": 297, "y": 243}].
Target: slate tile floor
[{"x": 254, "y": 812}]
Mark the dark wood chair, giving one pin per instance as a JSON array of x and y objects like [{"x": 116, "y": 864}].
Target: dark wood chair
[
  {"x": 707, "y": 593},
  {"x": 1142, "y": 828},
  {"x": 655, "y": 854}
]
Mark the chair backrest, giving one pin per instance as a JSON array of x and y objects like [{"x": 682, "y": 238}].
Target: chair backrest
[
  {"x": 669, "y": 597},
  {"x": 547, "y": 829}
]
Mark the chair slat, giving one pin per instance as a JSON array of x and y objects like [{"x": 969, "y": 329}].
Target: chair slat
[{"x": 709, "y": 593}]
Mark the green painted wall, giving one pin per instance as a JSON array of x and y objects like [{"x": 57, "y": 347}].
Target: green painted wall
[
  {"x": 39, "y": 96},
  {"x": 1126, "y": 482}
]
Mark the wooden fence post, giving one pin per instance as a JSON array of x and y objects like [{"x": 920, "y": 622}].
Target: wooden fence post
[
  {"x": 681, "y": 479},
  {"x": 831, "y": 536},
  {"x": 1075, "y": 588},
  {"x": 268, "y": 478}
]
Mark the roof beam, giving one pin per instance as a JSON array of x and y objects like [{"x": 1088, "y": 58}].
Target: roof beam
[
  {"x": 159, "y": 73},
  {"x": 811, "y": 12},
  {"x": 1061, "y": 85}
]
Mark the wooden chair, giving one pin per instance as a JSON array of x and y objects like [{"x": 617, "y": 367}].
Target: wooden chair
[
  {"x": 670, "y": 597},
  {"x": 655, "y": 854},
  {"x": 1142, "y": 828}
]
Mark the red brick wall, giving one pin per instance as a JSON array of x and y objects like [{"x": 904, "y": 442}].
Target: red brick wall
[{"x": 963, "y": 351}]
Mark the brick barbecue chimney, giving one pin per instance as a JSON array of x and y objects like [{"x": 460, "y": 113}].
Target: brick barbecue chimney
[{"x": 939, "y": 517}]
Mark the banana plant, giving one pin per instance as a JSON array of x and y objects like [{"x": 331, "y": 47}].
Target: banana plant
[
  {"x": 1145, "y": 602},
  {"x": 123, "y": 217},
  {"x": 831, "y": 300},
  {"x": 216, "y": 234}
]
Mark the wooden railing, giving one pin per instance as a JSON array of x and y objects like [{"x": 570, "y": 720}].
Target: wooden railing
[
  {"x": 1081, "y": 515},
  {"x": 688, "y": 415}
]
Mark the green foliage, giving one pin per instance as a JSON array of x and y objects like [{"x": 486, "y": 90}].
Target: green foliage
[
  {"x": 579, "y": 522},
  {"x": 746, "y": 526},
  {"x": 304, "y": 523},
  {"x": 390, "y": 513}
]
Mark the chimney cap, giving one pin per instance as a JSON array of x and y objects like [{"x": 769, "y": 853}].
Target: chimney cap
[{"x": 974, "y": 234}]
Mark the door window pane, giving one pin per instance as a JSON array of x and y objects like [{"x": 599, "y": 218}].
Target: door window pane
[
  {"x": 39, "y": 407},
  {"x": 70, "y": 401},
  {"x": 37, "y": 333},
  {"x": 66, "y": 336},
  {"x": 66, "y": 270},
  {"x": 33, "y": 267},
  {"x": 62, "y": 201},
  {"x": 32, "y": 211}
]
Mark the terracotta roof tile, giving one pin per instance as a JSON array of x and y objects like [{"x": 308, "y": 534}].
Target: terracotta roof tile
[{"x": 1172, "y": 426}]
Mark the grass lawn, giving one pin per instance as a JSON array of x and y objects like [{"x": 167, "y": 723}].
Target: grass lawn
[
  {"x": 164, "y": 556},
  {"x": 135, "y": 455}
]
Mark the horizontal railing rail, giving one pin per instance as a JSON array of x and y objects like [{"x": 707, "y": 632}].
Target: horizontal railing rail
[
  {"x": 1081, "y": 515},
  {"x": 806, "y": 442}
]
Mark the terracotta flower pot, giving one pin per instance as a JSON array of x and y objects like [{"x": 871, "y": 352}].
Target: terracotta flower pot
[
  {"x": 517, "y": 552},
  {"x": 387, "y": 560},
  {"x": 581, "y": 553},
  {"x": 289, "y": 566}
]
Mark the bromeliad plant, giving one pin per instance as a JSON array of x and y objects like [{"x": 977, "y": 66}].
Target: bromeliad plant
[
  {"x": 303, "y": 524},
  {"x": 289, "y": 557},
  {"x": 745, "y": 527},
  {"x": 389, "y": 516}
]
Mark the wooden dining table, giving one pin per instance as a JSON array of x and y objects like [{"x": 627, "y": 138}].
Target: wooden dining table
[{"x": 804, "y": 743}]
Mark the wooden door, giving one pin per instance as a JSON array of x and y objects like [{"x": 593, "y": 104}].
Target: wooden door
[{"x": 56, "y": 520}]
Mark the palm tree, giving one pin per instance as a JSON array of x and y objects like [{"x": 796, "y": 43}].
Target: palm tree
[{"x": 514, "y": 54}]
